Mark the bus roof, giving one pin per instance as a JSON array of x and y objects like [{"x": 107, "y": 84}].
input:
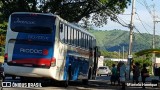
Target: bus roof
[{"x": 64, "y": 21}]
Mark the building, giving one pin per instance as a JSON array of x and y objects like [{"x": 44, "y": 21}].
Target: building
[
  {"x": 157, "y": 62},
  {"x": 100, "y": 61},
  {"x": 116, "y": 60}
]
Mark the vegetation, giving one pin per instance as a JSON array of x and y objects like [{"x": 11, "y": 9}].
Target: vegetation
[
  {"x": 114, "y": 40},
  {"x": 141, "y": 61},
  {"x": 75, "y": 10},
  {"x": 1, "y": 59},
  {"x": 109, "y": 63}
]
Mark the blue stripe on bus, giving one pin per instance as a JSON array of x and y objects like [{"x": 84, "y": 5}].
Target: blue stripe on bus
[
  {"x": 77, "y": 65},
  {"x": 66, "y": 68},
  {"x": 36, "y": 37},
  {"x": 75, "y": 69},
  {"x": 24, "y": 36}
]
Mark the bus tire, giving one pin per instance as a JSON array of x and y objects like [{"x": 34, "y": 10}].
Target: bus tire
[
  {"x": 85, "y": 81},
  {"x": 66, "y": 82},
  {"x": 22, "y": 79},
  {"x": 13, "y": 77}
]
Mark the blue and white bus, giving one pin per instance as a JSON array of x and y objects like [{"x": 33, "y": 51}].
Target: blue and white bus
[{"x": 46, "y": 46}]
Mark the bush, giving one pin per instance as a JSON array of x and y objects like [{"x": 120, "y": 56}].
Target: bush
[
  {"x": 143, "y": 61},
  {"x": 109, "y": 63}
]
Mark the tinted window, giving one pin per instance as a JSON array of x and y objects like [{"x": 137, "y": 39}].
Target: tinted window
[
  {"x": 102, "y": 67},
  {"x": 62, "y": 32},
  {"x": 27, "y": 23}
]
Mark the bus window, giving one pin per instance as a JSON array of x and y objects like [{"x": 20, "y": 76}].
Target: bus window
[
  {"x": 72, "y": 34},
  {"x": 66, "y": 34},
  {"x": 82, "y": 40},
  {"x": 87, "y": 42},
  {"x": 69, "y": 35},
  {"x": 91, "y": 44},
  {"x": 27, "y": 23},
  {"x": 80, "y": 37},
  {"x": 75, "y": 37},
  {"x": 62, "y": 32}
]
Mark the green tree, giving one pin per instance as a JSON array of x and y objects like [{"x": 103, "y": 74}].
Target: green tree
[
  {"x": 109, "y": 63},
  {"x": 71, "y": 10},
  {"x": 143, "y": 60}
]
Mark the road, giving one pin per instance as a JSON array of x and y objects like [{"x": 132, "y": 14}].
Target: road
[{"x": 101, "y": 82}]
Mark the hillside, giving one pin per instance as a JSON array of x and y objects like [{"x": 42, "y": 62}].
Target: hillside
[{"x": 113, "y": 40}]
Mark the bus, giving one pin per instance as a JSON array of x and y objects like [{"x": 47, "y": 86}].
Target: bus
[{"x": 40, "y": 45}]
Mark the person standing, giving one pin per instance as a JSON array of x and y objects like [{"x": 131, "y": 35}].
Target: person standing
[
  {"x": 144, "y": 74},
  {"x": 136, "y": 73},
  {"x": 123, "y": 75},
  {"x": 114, "y": 74},
  {"x": 118, "y": 72}
]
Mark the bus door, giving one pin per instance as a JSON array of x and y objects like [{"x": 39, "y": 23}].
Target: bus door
[
  {"x": 33, "y": 43},
  {"x": 96, "y": 55}
]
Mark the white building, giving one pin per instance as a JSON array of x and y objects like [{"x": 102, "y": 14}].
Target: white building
[
  {"x": 157, "y": 62},
  {"x": 116, "y": 60},
  {"x": 100, "y": 61}
]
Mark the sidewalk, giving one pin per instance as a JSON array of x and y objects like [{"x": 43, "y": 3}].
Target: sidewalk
[{"x": 130, "y": 86}]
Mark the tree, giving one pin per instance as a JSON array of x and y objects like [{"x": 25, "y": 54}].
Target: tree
[
  {"x": 71, "y": 10},
  {"x": 2, "y": 40},
  {"x": 109, "y": 63}
]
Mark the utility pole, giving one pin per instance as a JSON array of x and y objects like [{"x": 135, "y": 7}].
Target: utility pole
[
  {"x": 123, "y": 52},
  {"x": 119, "y": 54},
  {"x": 153, "y": 42},
  {"x": 131, "y": 37}
]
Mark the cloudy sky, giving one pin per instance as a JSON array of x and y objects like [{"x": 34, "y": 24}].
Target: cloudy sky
[{"x": 143, "y": 20}]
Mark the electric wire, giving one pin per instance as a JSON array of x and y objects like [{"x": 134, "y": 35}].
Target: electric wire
[
  {"x": 116, "y": 17},
  {"x": 143, "y": 37},
  {"x": 142, "y": 22}
]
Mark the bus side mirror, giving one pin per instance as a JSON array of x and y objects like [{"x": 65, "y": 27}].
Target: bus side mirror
[{"x": 61, "y": 27}]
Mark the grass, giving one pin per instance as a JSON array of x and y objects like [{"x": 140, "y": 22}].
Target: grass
[{"x": 1, "y": 59}]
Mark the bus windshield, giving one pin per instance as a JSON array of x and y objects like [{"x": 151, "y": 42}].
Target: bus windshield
[{"x": 32, "y": 23}]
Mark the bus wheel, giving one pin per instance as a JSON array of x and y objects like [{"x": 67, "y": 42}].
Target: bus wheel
[
  {"x": 13, "y": 77},
  {"x": 22, "y": 79},
  {"x": 85, "y": 81},
  {"x": 65, "y": 83}
]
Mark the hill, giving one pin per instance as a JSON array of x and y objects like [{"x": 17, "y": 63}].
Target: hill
[{"x": 114, "y": 40}]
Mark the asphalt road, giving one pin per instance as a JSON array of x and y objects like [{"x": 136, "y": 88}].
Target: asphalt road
[{"x": 101, "y": 82}]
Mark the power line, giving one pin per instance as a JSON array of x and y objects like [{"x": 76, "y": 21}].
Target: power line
[
  {"x": 143, "y": 37},
  {"x": 118, "y": 36},
  {"x": 147, "y": 7},
  {"x": 140, "y": 2},
  {"x": 149, "y": 10},
  {"x": 142, "y": 22},
  {"x": 148, "y": 26},
  {"x": 114, "y": 15}
]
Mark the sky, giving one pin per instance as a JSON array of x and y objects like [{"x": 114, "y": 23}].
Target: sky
[{"x": 143, "y": 20}]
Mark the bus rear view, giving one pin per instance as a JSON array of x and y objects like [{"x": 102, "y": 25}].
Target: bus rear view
[{"x": 29, "y": 49}]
